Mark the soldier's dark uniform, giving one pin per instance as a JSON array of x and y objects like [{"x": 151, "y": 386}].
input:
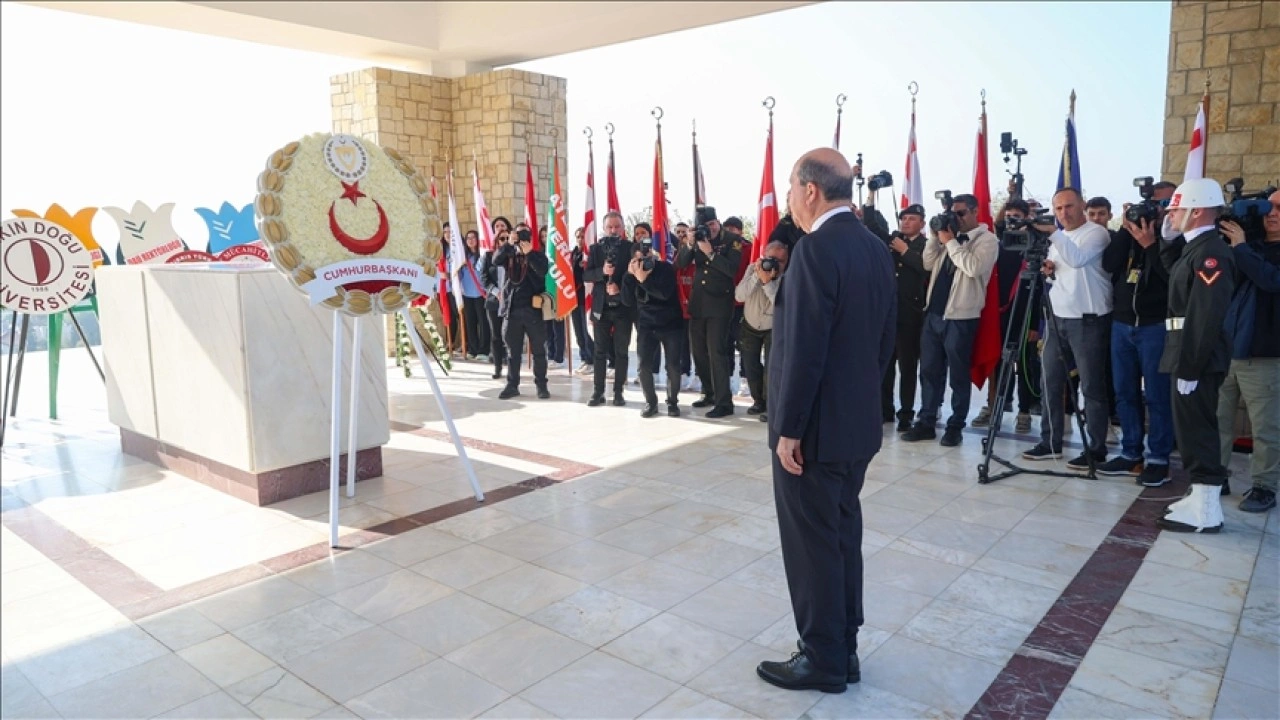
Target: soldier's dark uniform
[
  {"x": 1198, "y": 347},
  {"x": 710, "y": 312}
]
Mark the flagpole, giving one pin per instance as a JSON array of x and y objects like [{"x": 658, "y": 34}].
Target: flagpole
[
  {"x": 840, "y": 100},
  {"x": 697, "y": 171},
  {"x": 659, "y": 243},
  {"x": 758, "y": 247},
  {"x": 1205, "y": 102}
]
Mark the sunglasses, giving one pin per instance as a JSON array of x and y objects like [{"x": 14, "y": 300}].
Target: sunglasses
[
  {"x": 1164, "y": 203},
  {"x": 960, "y": 213}
]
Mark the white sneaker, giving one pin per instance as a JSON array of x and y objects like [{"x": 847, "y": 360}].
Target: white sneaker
[
  {"x": 609, "y": 374},
  {"x": 684, "y": 382},
  {"x": 553, "y": 365},
  {"x": 1201, "y": 511},
  {"x": 744, "y": 390},
  {"x": 482, "y": 358},
  {"x": 695, "y": 384},
  {"x": 586, "y": 370},
  {"x": 634, "y": 381}
]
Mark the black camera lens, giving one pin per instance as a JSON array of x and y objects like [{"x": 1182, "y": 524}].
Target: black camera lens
[
  {"x": 768, "y": 264},
  {"x": 880, "y": 180},
  {"x": 702, "y": 232}
]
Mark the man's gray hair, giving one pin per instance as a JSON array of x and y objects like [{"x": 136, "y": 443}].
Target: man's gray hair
[
  {"x": 613, "y": 213},
  {"x": 833, "y": 184},
  {"x": 778, "y": 244}
]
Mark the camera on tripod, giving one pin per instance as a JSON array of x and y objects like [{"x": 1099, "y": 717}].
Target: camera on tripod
[
  {"x": 1148, "y": 209},
  {"x": 880, "y": 181},
  {"x": 1021, "y": 235},
  {"x": 1247, "y": 211},
  {"x": 1009, "y": 146},
  {"x": 945, "y": 219}
]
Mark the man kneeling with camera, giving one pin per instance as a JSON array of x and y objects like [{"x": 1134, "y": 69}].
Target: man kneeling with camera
[{"x": 650, "y": 288}]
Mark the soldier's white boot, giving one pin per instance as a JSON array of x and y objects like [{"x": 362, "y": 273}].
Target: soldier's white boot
[{"x": 1199, "y": 512}]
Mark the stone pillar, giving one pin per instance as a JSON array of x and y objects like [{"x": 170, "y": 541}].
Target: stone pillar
[
  {"x": 496, "y": 117},
  {"x": 1237, "y": 46}
]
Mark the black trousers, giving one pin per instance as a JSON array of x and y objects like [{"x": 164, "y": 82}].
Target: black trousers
[
  {"x": 906, "y": 357},
  {"x": 614, "y": 332},
  {"x": 735, "y": 338},
  {"x": 477, "y": 325},
  {"x": 686, "y": 357},
  {"x": 755, "y": 361},
  {"x": 555, "y": 340},
  {"x": 498, "y": 351},
  {"x": 586, "y": 346},
  {"x": 1195, "y": 425},
  {"x": 708, "y": 338},
  {"x": 648, "y": 342},
  {"x": 524, "y": 323},
  {"x": 820, "y": 524}
]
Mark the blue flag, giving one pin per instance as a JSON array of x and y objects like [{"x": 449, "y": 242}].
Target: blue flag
[{"x": 1069, "y": 169}]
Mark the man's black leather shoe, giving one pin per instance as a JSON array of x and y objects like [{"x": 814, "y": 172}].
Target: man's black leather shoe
[
  {"x": 497, "y": 374},
  {"x": 919, "y": 432},
  {"x": 673, "y": 411},
  {"x": 764, "y": 417},
  {"x": 855, "y": 672},
  {"x": 595, "y": 401},
  {"x": 649, "y": 411},
  {"x": 508, "y": 392},
  {"x": 719, "y": 413},
  {"x": 618, "y": 400},
  {"x": 951, "y": 437},
  {"x": 798, "y": 673},
  {"x": 755, "y": 409},
  {"x": 704, "y": 401},
  {"x": 543, "y": 392}
]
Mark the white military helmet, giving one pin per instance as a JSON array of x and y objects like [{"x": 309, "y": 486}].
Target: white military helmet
[{"x": 1197, "y": 193}]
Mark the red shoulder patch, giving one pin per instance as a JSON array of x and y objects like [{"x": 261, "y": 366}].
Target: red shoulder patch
[
  {"x": 1210, "y": 263},
  {"x": 1209, "y": 279}
]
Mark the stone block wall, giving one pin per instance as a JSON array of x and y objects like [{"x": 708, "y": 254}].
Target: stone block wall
[{"x": 1236, "y": 45}]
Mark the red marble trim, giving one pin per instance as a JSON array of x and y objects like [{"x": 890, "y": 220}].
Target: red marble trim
[
  {"x": 137, "y": 598},
  {"x": 1034, "y": 679}
]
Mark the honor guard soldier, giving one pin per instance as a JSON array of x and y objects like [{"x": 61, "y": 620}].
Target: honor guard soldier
[
  {"x": 716, "y": 256},
  {"x": 1197, "y": 349}
]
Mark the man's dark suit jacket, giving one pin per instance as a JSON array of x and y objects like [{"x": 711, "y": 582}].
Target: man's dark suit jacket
[{"x": 834, "y": 326}]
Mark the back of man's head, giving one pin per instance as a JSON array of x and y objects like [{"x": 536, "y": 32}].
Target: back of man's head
[{"x": 830, "y": 172}]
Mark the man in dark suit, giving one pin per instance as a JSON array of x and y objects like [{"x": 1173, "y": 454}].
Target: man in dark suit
[{"x": 833, "y": 336}]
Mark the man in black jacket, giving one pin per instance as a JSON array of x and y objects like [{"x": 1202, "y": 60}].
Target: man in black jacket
[
  {"x": 586, "y": 346},
  {"x": 1140, "y": 306},
  {"x": 652, "y": 292},
  {"x": 606, "y": 267},
  {"x": 494, "y": 278},
  {"x": 522, "y": 309},
  {"x": 711, "y": 303},
  {"x": 907, "y": 248}
]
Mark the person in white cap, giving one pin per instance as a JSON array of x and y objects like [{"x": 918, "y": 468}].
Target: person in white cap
[{"x": 1197, "y": 349}]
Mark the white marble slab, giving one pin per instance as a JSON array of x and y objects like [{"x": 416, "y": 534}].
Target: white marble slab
[{"x": 126, "y": 348}]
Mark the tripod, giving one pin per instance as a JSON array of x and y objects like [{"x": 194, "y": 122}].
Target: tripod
[{"x": 1015, "y": 341}]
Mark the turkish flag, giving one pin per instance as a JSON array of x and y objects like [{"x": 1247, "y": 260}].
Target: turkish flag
[
  {"x": 767, "y": 210},
  {"x": 986, "y": 347}
]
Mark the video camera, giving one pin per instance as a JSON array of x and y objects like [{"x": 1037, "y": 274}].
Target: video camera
[
  {"x": 1247, "y": 211},
  {"x": 1009, "y": 146},
  {"x": 1148, "y": 209},
  {"x": 879, "y": 181},
  {"x": 1021, "y": 235},
  {"x": 647, "y": 260},
  {"x": 945, "y": 219},
  {"x": 768, "y": 264}
]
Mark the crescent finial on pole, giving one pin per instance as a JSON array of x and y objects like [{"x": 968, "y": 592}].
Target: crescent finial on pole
[
  {"x": 913, "y": 87},
  {"x": 608, "y": 128},
  {"x": 840, "y": 100},
  {"x": 769, "y": 104},
  {"x": 588, "y": 132},
  {"x": 984, "y": 98}
]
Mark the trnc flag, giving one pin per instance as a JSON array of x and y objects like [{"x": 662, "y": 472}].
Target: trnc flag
[
  {"x": 699, "y": 185},
  {"x": 611, "y": 182},
  {"x": 1199, "y": 143},
  {"x": 457, "y": 250},
  {"x": 661, "y": 226},
  {"x": 1069, "y": 168},
  {"x": 912, "y": 189},
  {"x": 767, "y": 210},
  {"x": 589, "y": 221},
  {"x": 530, "y": 202},
  {"x": 986, "y": 346},
  {"x": 559, "y": 253},
  {"x": 482, "y": 213}
]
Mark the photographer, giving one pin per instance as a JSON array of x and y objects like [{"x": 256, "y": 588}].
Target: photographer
[
  {"x": 960, "y": 254},
  {"x": 906, "y": 246},
  {"x": 684, "y": 282},
  {"x": 1140, "y": 287},
  {"x": 756, "y": 292},
  {"x": 716, "y": 259},
  {"x": 733, "y": 229},
  {"x": 1254, "y": 375},
  {"x": 606, "y": 267},
  {"x": 1080, "y": 301},
  {"x": 650, "y": 288},
  {"x": 494, "y": 278},
  {"x": 1009, "y": 267},
  {"x": 586, "y": 346},
  {"x": 522, "y": 298}
]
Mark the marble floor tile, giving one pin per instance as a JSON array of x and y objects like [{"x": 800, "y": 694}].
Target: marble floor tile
[
  {"x": 1001, "y": 596},
  {"x": 969, "y": 510},
  {"x": 218, "y": 705},
  {"x": 889, "y": 607},
  {"x": 518, "y": 655},
  {"x": 515, "y": 708},
  {"x": 950, "y": 541},
  {"x": 1047, "y": 554},
  {"x": 415, "y": 546},
  {"x": 1255, "y": 663},
  {"x": 753, "y": 532},
  {"x": 1014, "y": 571},
  {"x": 450, "y": 623},
  {"x": 1178, "y": 610},
  {"x": 636, "y": 501},
  {"x": 531, "y": 541},
  {"x": 586, "y": 520},
  {"x": 1001, "y": 493},
  {"x": 599, "y": 686},
  {"x": 180, "y": 628},
  {"x": 1083, "y": 508},
  {"x": 891, "y": 521},
  {"x": 1261, "y": 617},
  {"x": 907, "y": 497},
  {"x": 645, "y": 537},
  {"x": 439, "y": 689},
  {"x": 1173, "y": 549},
  {"x": 673, "y": 647},
  {"x": 656, "y": 584},
  {"x": 766, "y": 575},
  {"x": 1238, "y": 700},
  {"x": 692, "y": 516},
  {"x": 145, "y": 690},
  {"x": 593, "y": 616},
  {"x": 872, "y": 703},
  {"x": 256, "y": 601},
  {"x": 952, "y": 682},
  {"x": 71, "y": 665},
  {"x": 1066, "y": 530},
  {"x": 910, "y": 572},
  {"x": 525, "y": 590},
  {"x": 733, "y": 609},
  {"x": 1197, "y": 588},
  {"x": 710, "y": 556},
  {"x": 476, "y": 525},
  {"x": 976, "y": 633},
  {"x": 589, "y": 561},
  {"x": 1192, "y": 646},
  {"x": 302, "y": 630},
  {"x": 466, "y": 566},
  {"x": 686, "y": 704},
  {"x": 733, "y": 680},
  {"x": 340, "y": 571},
  {"x": 1152, "y": 686},
  {"x": 226, "y": 660},
  {"x": 20, "y": 699},
  {"x": 538, "y": 505},
  {"x": 358, "y": 663},
  {"x": 385, "y": 597},
  {"x": 1076, "y": 704}
]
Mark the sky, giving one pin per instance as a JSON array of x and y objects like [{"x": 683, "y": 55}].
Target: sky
[{"x": 101, "y": 112}]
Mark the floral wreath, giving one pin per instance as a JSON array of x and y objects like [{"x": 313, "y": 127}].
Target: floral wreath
[{"x": 351, "y": 224}]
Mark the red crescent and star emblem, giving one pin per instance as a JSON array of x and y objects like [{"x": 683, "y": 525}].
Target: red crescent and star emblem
[
  {"x": 1210, "y": 263},
  {"x": 365, "y": 246}
]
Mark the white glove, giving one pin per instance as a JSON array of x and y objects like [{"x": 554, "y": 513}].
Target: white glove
[
  {"x": 1186, "y": 387},
  {"x": 1168, "y": 231}
]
